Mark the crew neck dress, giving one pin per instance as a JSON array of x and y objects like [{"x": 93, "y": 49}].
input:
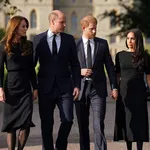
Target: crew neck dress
[
  {"x": 131, "y": 122},
  {"x": 18, "y": 85}
]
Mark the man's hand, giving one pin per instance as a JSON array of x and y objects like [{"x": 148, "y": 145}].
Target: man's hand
[
  {"x": 114, "y": 94},
  {"x": 75, "y": 93},
  {"x": 86, "y": 72},
  {"x": 35, "y": 94},
  {"x": 2, "y": 95}
]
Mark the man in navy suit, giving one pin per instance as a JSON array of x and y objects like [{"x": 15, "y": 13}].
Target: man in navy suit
[
  {"x": 58, "y": 79},
  {"x": 93, "y": 55}
]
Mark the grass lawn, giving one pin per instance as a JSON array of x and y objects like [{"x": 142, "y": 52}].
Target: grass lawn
[{"x": 147, "y": 46}]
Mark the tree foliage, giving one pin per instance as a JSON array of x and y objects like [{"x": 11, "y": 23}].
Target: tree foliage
[
  {"x": 135, "y": 16},
  {"x": 7, "y": 7},
  {"x": 2, "y": 33}
]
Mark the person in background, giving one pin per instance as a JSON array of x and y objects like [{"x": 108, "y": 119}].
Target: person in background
[
  {"x": 93, "y": 55},
  {"x": 58, "y": 79},
  {"x": 17, "y": 94},
  {"x": 131, "y": 122}
]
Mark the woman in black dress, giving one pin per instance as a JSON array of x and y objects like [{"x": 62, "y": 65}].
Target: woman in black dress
[
  {"x": 131, "y": 122},
  {"x": 17, "y": 95}
]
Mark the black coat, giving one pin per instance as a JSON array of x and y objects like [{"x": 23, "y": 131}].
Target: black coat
[
  {"x": 102, "y": 58},
  {"x": 65, "y": 70}
]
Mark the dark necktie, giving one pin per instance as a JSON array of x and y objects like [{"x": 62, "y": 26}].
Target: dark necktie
[
  {"x": 54, "y": 45},
  {"x": 89, "y": 56}
]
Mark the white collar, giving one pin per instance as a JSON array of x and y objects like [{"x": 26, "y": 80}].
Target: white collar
[
  {"x": 85, "y": 40},
  {"x": 50, "y": 34}
]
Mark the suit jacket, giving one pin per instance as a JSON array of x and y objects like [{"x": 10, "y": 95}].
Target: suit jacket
[
  {"x": 102, "y": 58},
  {"x": 64, "y": 71}
]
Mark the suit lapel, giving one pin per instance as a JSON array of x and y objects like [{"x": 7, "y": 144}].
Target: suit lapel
[
  {"x": 45, "y": 44},
  {"x": 97, "y": 44},
  {"x": 82, "y": 54}
]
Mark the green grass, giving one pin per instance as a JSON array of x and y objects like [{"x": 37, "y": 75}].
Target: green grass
[
  {"x": 147, "y": 47},
  {"x": 37, "y": 68}
]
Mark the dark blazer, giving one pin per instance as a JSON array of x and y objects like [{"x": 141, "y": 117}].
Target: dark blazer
[
  {"x": 65, "y": 70},
  {"x": 102, "y": 58}
]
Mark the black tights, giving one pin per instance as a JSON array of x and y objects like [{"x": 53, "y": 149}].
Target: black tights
[
  {"x": 22, "y": 138},
  {"x": 138, "y": 144}
]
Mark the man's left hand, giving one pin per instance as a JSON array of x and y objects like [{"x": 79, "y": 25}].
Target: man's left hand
[{"x": 75, "y": 93}]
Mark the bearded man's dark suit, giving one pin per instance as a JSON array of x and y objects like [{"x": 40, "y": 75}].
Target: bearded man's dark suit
[
  {"x": 57, "y": 77},
  {"x": 96, "y": 93}
]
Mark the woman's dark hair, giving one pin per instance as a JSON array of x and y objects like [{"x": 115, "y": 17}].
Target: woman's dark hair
[
  {"x": 11, "y": 28},
  {"x": 138, "y": 55}
]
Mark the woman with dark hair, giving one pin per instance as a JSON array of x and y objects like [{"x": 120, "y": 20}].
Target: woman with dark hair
[
  {"x": 17, "y": 95},
  {"x": 131, "y": 122}
]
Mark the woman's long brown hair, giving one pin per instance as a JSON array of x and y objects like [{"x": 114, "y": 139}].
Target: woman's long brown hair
[{"x": 8, "y": 38}]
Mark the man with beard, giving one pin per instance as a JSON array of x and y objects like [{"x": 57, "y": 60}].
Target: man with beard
[{"x": 93, "y": 55}]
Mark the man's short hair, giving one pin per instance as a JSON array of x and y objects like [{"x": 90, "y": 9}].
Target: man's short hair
[
  {"x": 88, "y": 19},
  {"x": 52, "y": 15}
]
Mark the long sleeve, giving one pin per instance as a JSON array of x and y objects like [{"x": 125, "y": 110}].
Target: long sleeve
[
  {"x": 117, "y": 63},
  {"x": 110, "y": 68},
  {"x": 2, "y": 59},
  {"x": 33, "y": 78},
  {"x": 75, "y": 65},
  {"x": 35, "y": 51}
]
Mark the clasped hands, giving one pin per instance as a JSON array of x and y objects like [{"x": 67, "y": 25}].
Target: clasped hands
[
  {"x": 86, "y": 72},
  {"x": 35, "y": 94},
  {"x": 114, "y": 94}
]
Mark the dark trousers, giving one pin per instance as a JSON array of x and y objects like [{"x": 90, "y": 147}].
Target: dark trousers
[
  {"x": 47, "y": 103},
  {"x": 98, "y": 105}
]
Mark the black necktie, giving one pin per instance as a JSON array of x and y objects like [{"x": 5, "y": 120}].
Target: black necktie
[
  {"x": 54, "y": 45},
  {"x": 89, "y": 56}
]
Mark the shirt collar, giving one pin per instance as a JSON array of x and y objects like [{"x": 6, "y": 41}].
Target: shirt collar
[
  {"x": 85, "y": 40},
  {"x": 50, "y": 33}
]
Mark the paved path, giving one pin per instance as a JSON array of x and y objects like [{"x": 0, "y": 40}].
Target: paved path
[
  {"x": 74, "y": 146},
  {"x": 34, "y": 141}
]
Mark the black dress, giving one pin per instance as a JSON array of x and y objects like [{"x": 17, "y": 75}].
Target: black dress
[
  {"x": 131, "y": 122},
  {"x": 20, "y": 75}
]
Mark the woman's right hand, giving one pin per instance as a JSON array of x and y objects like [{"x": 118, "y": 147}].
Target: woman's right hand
[{"x": 2, "y": 95}]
